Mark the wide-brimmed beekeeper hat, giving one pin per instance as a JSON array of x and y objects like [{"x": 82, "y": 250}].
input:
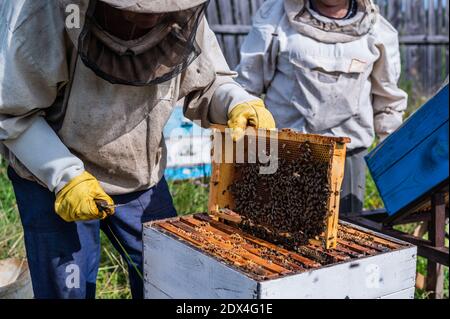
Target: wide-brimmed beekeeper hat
[
  {"x": 165, "y": 51},
  {"x": 154, "y": 6}
]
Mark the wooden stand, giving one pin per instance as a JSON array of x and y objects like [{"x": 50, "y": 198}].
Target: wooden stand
[{"x": 433, "y": 249}]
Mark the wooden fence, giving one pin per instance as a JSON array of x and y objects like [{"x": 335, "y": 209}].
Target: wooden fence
[{"x": 423, "y": 26}]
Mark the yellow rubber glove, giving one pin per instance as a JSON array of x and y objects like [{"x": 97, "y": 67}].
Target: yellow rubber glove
[
  {"x": 252, "y": 113},
  {"x": 79, "y": 199}
]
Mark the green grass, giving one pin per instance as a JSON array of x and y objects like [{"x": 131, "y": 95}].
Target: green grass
[
  {"x": 11, "y": 235},
  {"x": 190, "y": 197}
]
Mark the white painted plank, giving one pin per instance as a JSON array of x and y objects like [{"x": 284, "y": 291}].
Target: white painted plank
[
  {"x": 366, "y": 278},
  {"x": 181, "y": 271},
  {"x": 404, "y": 294},
  {"x": 174, "y": 269},
  {"x": 152, "y": 292}
]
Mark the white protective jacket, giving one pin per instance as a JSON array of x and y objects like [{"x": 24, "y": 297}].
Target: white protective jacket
[
  {"x": 331, "y": 77},
  {"x": 57, "y": 118}
]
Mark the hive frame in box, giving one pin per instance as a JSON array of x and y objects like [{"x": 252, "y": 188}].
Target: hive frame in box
[
  {"x": 222, "y": 174},
  {"x": 174, "y": 267}
]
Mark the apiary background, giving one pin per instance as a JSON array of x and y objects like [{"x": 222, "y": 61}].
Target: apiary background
[{"x": 177, "y": 266}]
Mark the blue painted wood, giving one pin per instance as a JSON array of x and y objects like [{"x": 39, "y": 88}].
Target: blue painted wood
[
  {"x": 418, "y": 172},
  {"x": 416, "y": 129},
  {"x": 414, "y": 159},
  {"x": 178, "y": 126},
  {"x": 186, "y": 173}
]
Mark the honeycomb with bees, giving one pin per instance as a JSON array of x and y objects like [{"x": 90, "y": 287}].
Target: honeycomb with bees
[{"x": 296, "y": 203}]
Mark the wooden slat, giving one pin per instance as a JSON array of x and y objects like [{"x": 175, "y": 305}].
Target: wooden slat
[
  {"x": 337, "y": 256},
  {"x": 431, "y": 62},
  {"x": 231, "y": 29},
  {"x": 422, "y": 140},
  {"x": 430, "y": 170},
  {"x": 301, "y": 259},
  {"x": 417, "y": 128},
  {"x": 350, "y": 252},
  {"x": 246, "y": 255},
  {"x": 252, "y": 249},
  {"x": 227, "y": 14},
  {"x": 446, "y": 25},
  {"x": 212, "y": 13},
  {"x": 228, "y": 215},
  {"x": 180, "y": 230},
  {"x": 243, "y": 11},
  {"x": 366, "y": 243},
  {"x": 423, "y": 39},
  {"x": 381, "y": 241},
  {"x": 358, "y": 248},
  {"x": 335, "y": 178}
]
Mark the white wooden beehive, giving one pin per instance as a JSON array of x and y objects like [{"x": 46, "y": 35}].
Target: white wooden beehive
[{"x": 178, "y": 263}]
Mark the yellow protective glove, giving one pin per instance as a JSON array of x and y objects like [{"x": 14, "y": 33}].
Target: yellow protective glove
[
  {"x": 80, "y": 199},
  {"x": 252, "y": 113}
]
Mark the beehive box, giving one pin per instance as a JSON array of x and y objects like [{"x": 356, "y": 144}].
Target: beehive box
[
  {"x": 200, "y": 257},
  {"x": 414, "y": 160},
  {"x": 288, "y": 146},
  {"x": 214, "y": 256}
]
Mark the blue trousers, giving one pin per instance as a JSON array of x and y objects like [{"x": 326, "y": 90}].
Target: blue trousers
[{"x": 64, "y": 257}]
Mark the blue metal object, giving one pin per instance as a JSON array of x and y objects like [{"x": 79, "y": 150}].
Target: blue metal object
[
  {"x": 188, "y": 148},
  {"x": 178, "y": 122},
  {"x": 191, "y": 172},
  {"x": 414, "y": 160}
]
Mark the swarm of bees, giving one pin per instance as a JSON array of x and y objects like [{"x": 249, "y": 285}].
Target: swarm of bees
[{"x": 287, "y": 207}]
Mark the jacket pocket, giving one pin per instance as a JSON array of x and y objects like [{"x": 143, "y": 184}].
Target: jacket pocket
[{"x": 328, "y": 89}]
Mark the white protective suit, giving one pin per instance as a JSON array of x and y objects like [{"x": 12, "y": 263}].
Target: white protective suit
[
  {"x": 57, "y": 118},
  {"x": 323, "y": 76}
]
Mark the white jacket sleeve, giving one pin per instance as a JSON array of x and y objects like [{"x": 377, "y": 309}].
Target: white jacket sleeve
[
  {"x": 32, "y": 67},
  {"x": 43, "y": 153},
  {"x": 208, "y": 86},
  {"x": 260, "y": 48},
  {"x": 389, "y": 101}
]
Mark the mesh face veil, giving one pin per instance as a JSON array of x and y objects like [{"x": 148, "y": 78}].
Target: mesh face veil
[{"x": 162, "y": 53}]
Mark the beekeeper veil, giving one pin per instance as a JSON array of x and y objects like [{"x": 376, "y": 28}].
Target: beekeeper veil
[{"x": 162, "y": 53}]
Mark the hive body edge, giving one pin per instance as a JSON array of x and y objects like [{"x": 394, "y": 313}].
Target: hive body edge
[{"x": 175, "y": 269}]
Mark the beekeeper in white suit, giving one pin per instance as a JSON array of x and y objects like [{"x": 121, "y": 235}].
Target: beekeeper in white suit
[
  {"x": 327, "y": 67},
  {"x": 82, "y": 112}
]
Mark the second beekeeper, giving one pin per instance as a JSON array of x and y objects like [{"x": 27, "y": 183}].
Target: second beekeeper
[{"x": 327, "y": 67}]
